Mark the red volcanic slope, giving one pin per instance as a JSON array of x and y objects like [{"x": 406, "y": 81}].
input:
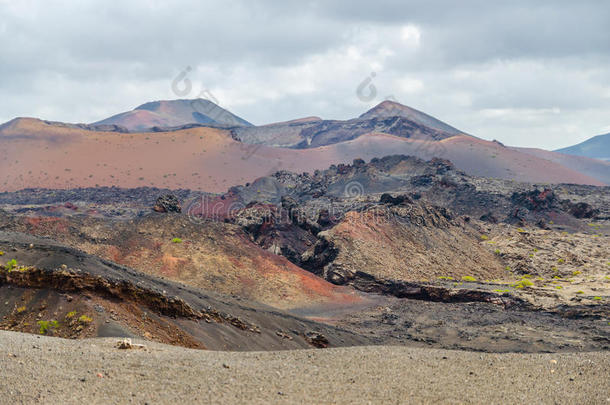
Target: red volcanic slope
[
  {"x": 37, "y": 154},
  {"x": 596, "y": 168}
]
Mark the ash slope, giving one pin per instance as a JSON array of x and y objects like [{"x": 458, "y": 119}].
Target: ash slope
[
  {"x": 52, "y": 282},
  {"x": 338, "y": 376}
]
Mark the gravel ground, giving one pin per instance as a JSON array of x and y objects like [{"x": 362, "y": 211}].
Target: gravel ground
[{"x": 50, "y": 370}]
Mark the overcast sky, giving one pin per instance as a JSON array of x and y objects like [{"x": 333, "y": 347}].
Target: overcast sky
[{"x": 528, "y": 73}]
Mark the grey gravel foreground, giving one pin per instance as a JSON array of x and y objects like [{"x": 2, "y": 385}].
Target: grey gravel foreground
[{"x": 48, "y": 370}]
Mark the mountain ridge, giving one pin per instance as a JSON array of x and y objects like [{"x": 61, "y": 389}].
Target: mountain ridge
[
  {"x": 597, "y": 147},
  {"x": 172, "y": 113}
]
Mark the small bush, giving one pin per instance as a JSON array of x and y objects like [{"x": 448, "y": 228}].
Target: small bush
[
  {"x": 561, "y": 261},
  {"x": 46, "y": 325},
  {"x": 70, "y": 314},
  {"x": 11, "y": 265},
  {"x": 1, "y": 253},
  {"x": 176, "y": 240},
  {"x": 484, "y": 237},
  {"x": 525, "y": 283},
  {"x": 84, "y": 319},
  {"x": 580, "y": 292},
  {"x": 468, "y": 278},
  {"x": 21, "y": 309},
  {"x": 597, "y": 298}
]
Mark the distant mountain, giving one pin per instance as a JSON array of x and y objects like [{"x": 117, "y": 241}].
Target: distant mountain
[
  {"x": 212, "y": 157},
  {"x": 174, "y": 113},
  {"x": 597, "y": 147},
  {"x": 388, "y": 118},
  {"x": 392, "y": 109}
]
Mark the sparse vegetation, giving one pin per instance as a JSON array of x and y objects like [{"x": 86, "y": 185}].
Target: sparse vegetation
[
  {"x": 11, "y": 265},
  {"x": 484, "y": 237},
  {"x": 44, "y": 326},
  {"x": 176, "y": 240},
  {"x": 70, "y": 314},
  {"x": 469, "y": 278},
  {"x": 525, "y": 283},
  {"x": 84, "y": 319}
]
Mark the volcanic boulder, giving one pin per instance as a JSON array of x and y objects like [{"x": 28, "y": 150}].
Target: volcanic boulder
[{"x": 167, "y": 203}]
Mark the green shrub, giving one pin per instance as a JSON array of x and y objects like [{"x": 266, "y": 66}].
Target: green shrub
[
  {"x": 525, "y": 283},
  {"x": 70, "y": 314},
  {"x": 46, "y": 325},
  {"x": 468, "y": 278},
  {"x": 176, "y": 240},
  {"x": 84, "y": 319},
  {"x": 11, "y": 265}
]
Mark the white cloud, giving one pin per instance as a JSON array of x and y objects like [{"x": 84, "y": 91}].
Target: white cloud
[{"x": 410, "y": 35}]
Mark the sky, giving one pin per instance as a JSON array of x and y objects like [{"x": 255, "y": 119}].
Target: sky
[{"x": 527, "y": 73}]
